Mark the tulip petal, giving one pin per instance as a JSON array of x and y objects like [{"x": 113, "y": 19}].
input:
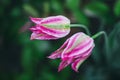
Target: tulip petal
[
  {"x": 36, "y": 20},
  {"x": 88, "y": 52},
  {"x": 74, "y": 51},
  {"x": 55, "y": 20},
  {"x": 81, "y": 49},
  {"x": 56, "y": 33},
  {"x": 71, "y": 44},
  {"x": 41, "y": 36},
  {"x": 56, "y": 26},
  {"x": 57, "y": 53},
  {"x": 63, "y": 64},
  {"x": 38, "y": 34},
  {"x": 76, "y": 64}
]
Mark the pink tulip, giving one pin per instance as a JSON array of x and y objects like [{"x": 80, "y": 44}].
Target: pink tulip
[
  {"x": 53, "y": 27},
  {"x": 74, "y": 51}
]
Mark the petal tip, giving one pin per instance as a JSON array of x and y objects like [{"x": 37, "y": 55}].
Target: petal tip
[
  {"x": 36, "y": 20},
  {"x": 76, "y": 70},
  {"x": 59, "y": 69},
  {"x": 31, "y": 38},
  {"x": 50, "y": 57}
]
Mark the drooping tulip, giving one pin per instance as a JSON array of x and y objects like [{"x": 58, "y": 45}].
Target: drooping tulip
[
  {"x": 49, "y": 28},
  {"x": 74, "y": 51}
]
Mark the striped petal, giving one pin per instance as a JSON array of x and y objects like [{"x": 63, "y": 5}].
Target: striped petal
[
  {"x": 57, "y": 26},
  {"x": 64, "y": 63},
  {"x": 57, "y": 53},
  {"x": 54, "y": 32},
  {"x": 36, "y": 20},
  {"x": 77, "y": 39},
  {"x": 39, "y": 34},
  {"x": 79, "y": 50},
  {"x": 76, "y": 64},
  {"x": 55, "y": 20},
  {"x": 74, "y": 51}
]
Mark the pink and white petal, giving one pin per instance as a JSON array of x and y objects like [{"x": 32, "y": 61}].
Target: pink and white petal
[
  {"x": 56, "y": 33},
  {"x": 70, "y": 46},
  {"x": 62, "y": 65},
  {"x": 87, "y": 53},
  {"x": 41, "y": 36},
  {"x": 37, "y": 30},
  {"x": 76, "y": 49},
  {"x": 36, "y": 20},
  {"x": 76, "y": 64},
  {"x": 57, "y": 53},
  {"x": 33, "y": 28},
  {"x": 55, "y": 20},
  {"x": 81, "y": 49},
  {"x": 47, "y": 32}
]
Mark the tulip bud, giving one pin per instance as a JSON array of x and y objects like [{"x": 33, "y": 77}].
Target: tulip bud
[
  {"x": 74, "y": 51},
  {"x": 53, "y": 27}
]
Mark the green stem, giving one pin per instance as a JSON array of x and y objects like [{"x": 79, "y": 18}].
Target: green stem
[
  {"x": 98, "y": 34},
  {"x": 106, "y": 42},
  {"x": 81, "y": 26}
]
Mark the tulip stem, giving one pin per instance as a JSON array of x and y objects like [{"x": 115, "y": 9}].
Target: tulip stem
[
  {"x": 81, "y": 26},
  {"x": 106, "y": 42},
  {"x": 98, "y": 34}
]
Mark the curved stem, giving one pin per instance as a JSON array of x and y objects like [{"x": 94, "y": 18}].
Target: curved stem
[
  {"x": 81, "y": 26},
  {"x": 106, "y": 42},
  {"x": 98, "y": 34}
]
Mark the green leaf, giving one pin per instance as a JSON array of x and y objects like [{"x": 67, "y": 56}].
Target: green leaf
[
  {"x": 96, "y": 8},
  {"x": 57, "y": 7},
  {"x": 30, "y": 10},
  {"x": 114, "y": 39},
  {"x": 117, "y": 8},
  {"x": 73, "y": 4},
  {"x": 27, "y": 58},
  {"x": 80, "y": 17},
  {"x": 15, "y": 12},
  {"x": 113, "y": 35}
]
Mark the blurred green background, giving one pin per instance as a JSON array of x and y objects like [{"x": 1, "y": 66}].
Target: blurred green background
[{"x": 22, "y": 59}]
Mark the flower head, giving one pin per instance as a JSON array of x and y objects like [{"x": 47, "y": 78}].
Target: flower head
[
  {"x": 74, "y": 51},
  {"x": 53, "y": 27}
]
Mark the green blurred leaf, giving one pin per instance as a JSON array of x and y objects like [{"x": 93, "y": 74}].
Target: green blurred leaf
[
  {"x": 80, "y": 17},
  {"x": 15, "y": 12},
  {"x": 24, "y": 76},
  {"x": 114, "y": 39},
  {"x": 114, "y": 35},
  {"x": 96, "y": 8},
  {"x": 48, "y": 76},
  {"x": 57, "y": 7},
  {"x": 73, "y": 5},
  {"x": 30, "y": 10},
  {"x": 117, "y": 8},
  {"x": 27, "y": 58},
  {"x": 46, "y": 8}
]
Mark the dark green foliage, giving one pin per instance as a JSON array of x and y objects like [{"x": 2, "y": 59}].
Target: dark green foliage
[{"x": 23, "y": 59}]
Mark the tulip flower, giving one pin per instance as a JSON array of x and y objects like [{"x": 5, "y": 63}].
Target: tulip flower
[
  {"x": 53, "y": 27},
  {"x": 74, "y": 51}
]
